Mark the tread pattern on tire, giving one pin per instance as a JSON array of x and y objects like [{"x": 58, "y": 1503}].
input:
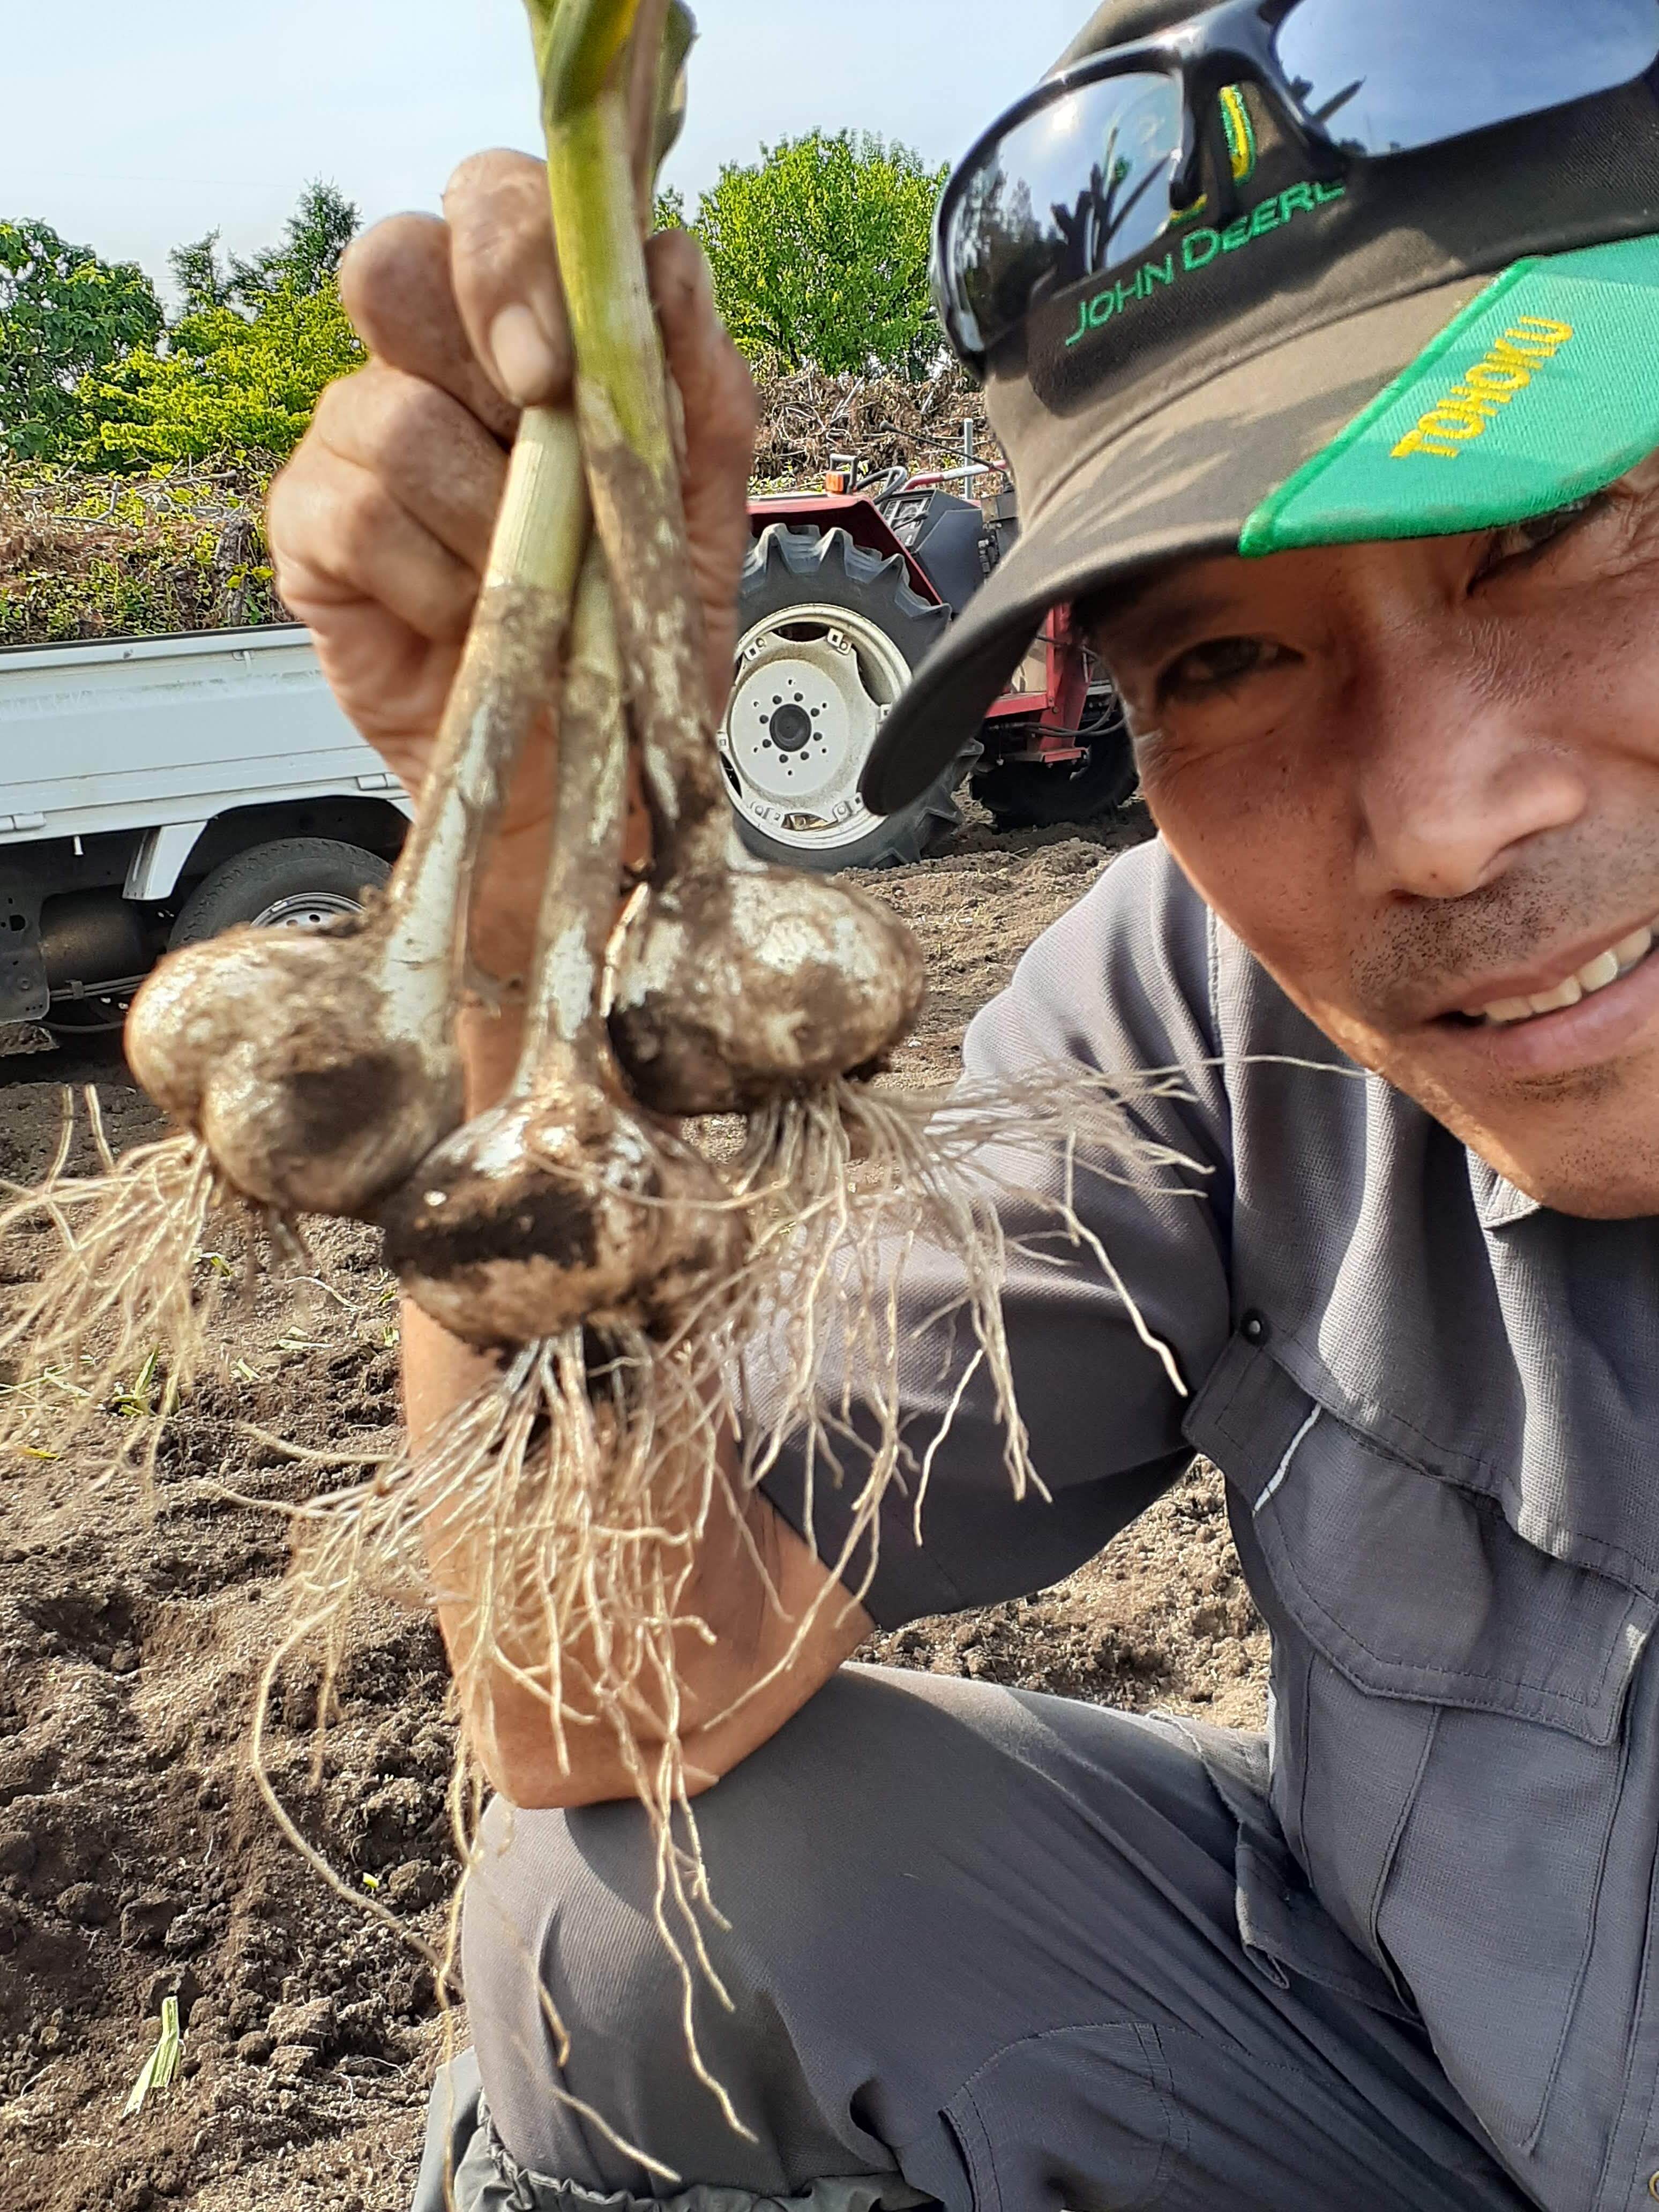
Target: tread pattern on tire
[
  {"x": 1010, "y": 795},
  {"x": 819, "y": 560},
  {"x": 212, "y": 906}
]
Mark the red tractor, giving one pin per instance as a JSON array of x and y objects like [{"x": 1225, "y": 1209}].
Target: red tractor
[{"x": 842, "y": 595}]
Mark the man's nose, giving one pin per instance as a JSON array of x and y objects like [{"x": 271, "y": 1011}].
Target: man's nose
[{"x": 1461, "y": 770}]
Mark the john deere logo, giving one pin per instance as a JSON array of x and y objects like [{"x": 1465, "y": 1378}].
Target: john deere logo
[{"x": 1197, "y": 249}]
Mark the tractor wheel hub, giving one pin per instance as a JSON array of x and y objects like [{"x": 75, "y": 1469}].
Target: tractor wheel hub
[
  {"x": 814, "y": 685},
  {"x": 791, "y": 728}
]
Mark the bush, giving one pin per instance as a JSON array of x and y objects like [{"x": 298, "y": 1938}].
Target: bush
[
  {"x": 91, "y": 374},
  {"x": 229, "y": 383},
  {"x": 63, "y": 312}
]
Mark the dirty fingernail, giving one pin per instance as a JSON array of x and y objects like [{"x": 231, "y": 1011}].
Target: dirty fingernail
[{"x": 522, "y": 356}]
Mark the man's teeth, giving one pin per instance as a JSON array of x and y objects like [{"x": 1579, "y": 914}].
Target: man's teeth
[{"x": 1596, "y": 975}]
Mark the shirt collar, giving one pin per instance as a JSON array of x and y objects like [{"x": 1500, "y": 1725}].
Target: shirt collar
[{"x": 1497, "y": 1202}]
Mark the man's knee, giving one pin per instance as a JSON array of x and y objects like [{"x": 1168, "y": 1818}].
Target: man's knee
[
  {"x": 871, "y": 1914},
  {"x": 572, "y": 1991},
  {"x": 562, "y": 1929},
  {"x": 813, "y": 1848},
  {"x": 573, "y": 1901}
]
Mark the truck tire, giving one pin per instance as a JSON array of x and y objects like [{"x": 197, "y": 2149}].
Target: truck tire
[
  {"x": 293, "y": 882},
  {"x": 830, "y": 636},
  {"x": 1027, "y": 795}
]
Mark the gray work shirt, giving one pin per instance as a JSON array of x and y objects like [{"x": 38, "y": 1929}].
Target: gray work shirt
[{"x": 1436, "y": 1406}]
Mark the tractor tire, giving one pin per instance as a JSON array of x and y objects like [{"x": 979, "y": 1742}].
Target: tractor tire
[
  {"x": 830, "y": 635},
  {"x": 1027, "y": 795}
]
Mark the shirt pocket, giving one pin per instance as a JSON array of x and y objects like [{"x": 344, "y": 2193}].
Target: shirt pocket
[{"x": 1450, "y": 1756}]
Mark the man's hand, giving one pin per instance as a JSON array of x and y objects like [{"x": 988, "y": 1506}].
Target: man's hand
[
  {"x": 380, "y": 528},
  {"x": 380, "y": 525}
]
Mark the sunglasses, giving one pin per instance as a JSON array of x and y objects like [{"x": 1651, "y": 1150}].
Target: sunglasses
[{"x": 1092, "y": 170}]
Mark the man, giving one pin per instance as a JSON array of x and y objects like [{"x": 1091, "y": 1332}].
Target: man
[{"x": 1323, "y": 339}]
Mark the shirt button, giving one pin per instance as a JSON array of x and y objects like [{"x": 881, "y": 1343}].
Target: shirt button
[
  {"x": 1254, "y": 1328},
  {"x": 1653, "y": 2185}
]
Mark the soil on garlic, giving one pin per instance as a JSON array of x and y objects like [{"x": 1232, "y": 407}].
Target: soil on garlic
[{"x": 134, "y": 1858}]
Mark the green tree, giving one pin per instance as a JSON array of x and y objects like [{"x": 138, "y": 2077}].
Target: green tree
[
  {"x": 204, "y": 283},
  {"x": 241, "y": 369},
  {"x": 308, "y": 260},
  {"x": 227, "y": 383},
  {"x": 820, "y": 254},
  {"x": 63, "y": 313},
  {"x": 313, "y": 247}
]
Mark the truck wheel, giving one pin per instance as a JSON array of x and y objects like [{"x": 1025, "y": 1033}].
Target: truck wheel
[
  {"x": 831, "y": 634},
  {"x": 1027, "y": 795},
  {"x": 293, "y": 883}
]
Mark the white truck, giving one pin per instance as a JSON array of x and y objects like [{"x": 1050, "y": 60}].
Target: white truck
[{"x": 153, "y": 792}]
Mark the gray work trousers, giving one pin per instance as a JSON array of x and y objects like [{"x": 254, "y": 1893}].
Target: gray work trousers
[{"x": 984, "y": 1950}]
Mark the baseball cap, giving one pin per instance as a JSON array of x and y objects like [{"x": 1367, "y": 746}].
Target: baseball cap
[{"x": 1459, "y": 337}]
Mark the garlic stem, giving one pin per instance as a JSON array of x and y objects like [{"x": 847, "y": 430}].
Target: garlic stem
[
  {"x": 740, "y": 980},
  {"x": 579, "y": 44},
  {"x": 622, "y": 404},
  {"x": 565, "y": 1023},
  {"x": 508, "y": 675},
  {"x": 565, "y": 1205}
]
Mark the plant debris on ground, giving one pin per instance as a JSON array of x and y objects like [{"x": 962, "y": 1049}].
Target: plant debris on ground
[{"x": 888, "y": 422}]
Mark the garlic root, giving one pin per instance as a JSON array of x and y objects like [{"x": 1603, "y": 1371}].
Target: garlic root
[{"x": 129, "y": 1296}]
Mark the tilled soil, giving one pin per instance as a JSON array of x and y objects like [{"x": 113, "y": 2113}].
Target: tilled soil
[{"x": 137, "y": 1860}]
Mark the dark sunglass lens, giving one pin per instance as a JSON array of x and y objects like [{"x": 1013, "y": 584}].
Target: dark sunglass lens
[
  {"x": 1078, "y": 188},
  {"x": 1390, "y": 79}
]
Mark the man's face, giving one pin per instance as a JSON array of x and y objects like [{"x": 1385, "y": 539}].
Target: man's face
[{"x": 1421, "y": 782}]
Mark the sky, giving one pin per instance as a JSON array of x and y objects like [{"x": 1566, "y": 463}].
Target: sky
[{"x": 131, "y": 130}]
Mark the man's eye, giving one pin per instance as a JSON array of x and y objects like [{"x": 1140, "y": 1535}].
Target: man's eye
[
  {"x": 1524, "y": 541},
  {"x": 1212, "y": 667}
]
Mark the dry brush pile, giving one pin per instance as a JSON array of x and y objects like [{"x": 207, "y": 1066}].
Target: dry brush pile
[
  {"x": 887, "y": 421},
  {"x": 84, "y": 558}
]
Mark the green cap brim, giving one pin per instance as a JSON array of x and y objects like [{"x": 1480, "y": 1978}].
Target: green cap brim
[{"x": 1544, "y": 390}]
